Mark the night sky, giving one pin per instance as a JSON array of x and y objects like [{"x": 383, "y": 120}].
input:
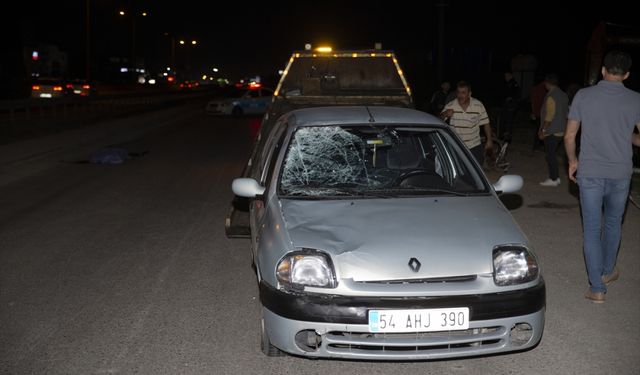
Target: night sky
[{"x": 246, "y": 38}]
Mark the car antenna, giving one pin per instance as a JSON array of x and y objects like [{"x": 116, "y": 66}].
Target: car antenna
[{"x": 371, "y": 119}]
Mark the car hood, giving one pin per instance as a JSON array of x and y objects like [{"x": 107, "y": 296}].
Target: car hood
[{"x": 374, "y": 239}]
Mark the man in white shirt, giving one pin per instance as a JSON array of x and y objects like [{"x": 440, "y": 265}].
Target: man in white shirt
[{"x": 466, "y": 115}]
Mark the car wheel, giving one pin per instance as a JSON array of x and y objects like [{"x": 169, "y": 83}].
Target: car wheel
[
  {"x": 237, "y": 112},
  {"x": 265, "y": 344}
]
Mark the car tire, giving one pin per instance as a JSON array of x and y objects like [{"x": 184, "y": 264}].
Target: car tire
[
  {"x": 265, "y": 344},
  {"x": 237, "y": 112}
]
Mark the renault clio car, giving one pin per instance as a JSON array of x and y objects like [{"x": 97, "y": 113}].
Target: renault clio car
[{"x": 375, "y": 235}]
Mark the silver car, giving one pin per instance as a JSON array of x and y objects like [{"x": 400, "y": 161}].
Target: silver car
[{"x": 375, "y": 235}]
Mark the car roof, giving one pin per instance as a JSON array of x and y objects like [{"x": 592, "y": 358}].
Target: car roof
[{"x": 360, "y": 115}]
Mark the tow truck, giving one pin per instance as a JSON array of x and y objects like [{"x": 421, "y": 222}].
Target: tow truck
[{"x": 323, "y": 77}]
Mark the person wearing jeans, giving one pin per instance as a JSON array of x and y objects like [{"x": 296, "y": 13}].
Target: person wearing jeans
[
  {"x": 553, "y": 121},
  {"x": 601, "y": 240},
  {"x": 607, "y": 114}
]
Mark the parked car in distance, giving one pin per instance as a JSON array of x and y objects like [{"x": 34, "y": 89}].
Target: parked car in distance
[
  {"x": 253, "y": 100},
  {"x": 80, "y": 87},
  {"x": 48, "y": 88},
  {"x": 376, "y": 235},
  {"x": 188, "y": 85}
]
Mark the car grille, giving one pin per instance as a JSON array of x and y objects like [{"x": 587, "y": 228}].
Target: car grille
[
  {"x": 340, "y": 342},
  {"x": 434, "y": 280}
]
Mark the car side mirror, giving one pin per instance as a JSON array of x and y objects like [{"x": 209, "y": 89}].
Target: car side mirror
[
  {"x": 509, "y": 183},
  {"x": 247, "y": 187}
]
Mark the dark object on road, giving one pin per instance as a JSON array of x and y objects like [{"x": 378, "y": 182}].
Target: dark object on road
[
  {"x": 114, "y": 155},
  {"x": 111, "y": 156}
]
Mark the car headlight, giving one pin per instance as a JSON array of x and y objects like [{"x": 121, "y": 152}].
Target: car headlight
[
  {"x": 306, "y": 268},
  {"x": 513, "y": 265}
]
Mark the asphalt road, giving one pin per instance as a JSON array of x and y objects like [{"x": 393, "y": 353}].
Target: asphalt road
[{"x": 126, "y": 269}]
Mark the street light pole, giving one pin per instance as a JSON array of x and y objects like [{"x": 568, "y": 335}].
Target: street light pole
[
  {"x": 133, "y": 40},
  {"x": 133, "y": 34},
  {"x": 441, "y": 6},
  {"x": 173, "y": 52},
  {"x": 88, "y": 43}
]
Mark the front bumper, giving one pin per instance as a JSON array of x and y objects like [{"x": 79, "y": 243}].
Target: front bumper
[
  {"x": 353, "y": 310},
  {"x": 340, "y": 327}
]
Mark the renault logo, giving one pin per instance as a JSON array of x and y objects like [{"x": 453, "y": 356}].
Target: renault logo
[{"x": 414, "y": 264}]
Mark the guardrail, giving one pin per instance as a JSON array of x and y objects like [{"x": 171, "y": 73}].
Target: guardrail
[{"x": 27, "y": 118}]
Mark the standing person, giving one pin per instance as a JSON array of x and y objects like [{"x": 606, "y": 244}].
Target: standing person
[
  {"x": 467, "y": 115},
  {"x": 538, "y": 93},
  {"x": 439, "y": 98},
  {"x": 553, "y": 121},
  {"x": 607, "y": 114},
  {"x": 509, "y": 105}
]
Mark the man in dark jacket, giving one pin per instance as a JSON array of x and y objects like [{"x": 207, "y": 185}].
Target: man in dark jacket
[
  {"x": 553, "y": 121},
  {"x": 440, "y": 98},
  {"x": 509, "y": 105}
]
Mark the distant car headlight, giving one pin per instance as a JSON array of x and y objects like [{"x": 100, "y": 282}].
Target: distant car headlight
[
  {"x": 513, "y": 265},
  {"x": 306, "y": 268}
]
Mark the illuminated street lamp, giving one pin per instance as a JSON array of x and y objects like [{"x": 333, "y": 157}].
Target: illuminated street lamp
[
  {"x": 133, "y": 33},
  {"x": 182, "y": 42},
  {"x": 194, "y": 42}
]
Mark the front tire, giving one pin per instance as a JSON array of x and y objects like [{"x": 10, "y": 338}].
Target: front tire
[
  {"x": 237, "y": 112},
  {"x": 265, "y": 344}
]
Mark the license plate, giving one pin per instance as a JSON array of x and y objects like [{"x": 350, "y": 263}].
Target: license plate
[
  {"x": 77, "y": 91},
  {"x": 45, "y": 95},
  {"x": 427, "y": 320}
]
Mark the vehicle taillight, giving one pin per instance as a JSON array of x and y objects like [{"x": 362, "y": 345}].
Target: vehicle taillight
[
  {"x": 35, "y": 88},
  {"x": 57, "y": 88},
  {"x": 86, "y": 87},
  {"x": 69, "y": 86}
]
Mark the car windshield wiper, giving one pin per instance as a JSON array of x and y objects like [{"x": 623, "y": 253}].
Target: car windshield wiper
[
  {"x": 428, "y": 191},
  {"x": 370, "y": 193},
  {"x": 330, "y": 193}
]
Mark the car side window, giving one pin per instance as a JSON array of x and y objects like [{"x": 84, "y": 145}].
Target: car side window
[
  {"x": 266, "y": 93},
  {"x": 269, "y": 160},
  {"x": 272, "y": 160},
  {"x": 254, "y": 94},
  {"x": 264, "y": 147}
]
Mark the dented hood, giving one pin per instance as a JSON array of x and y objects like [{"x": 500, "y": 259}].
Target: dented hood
[{"x": 374, "y": 239}]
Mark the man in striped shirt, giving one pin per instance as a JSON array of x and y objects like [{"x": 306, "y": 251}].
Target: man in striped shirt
[{"x": 467, "y": 115}]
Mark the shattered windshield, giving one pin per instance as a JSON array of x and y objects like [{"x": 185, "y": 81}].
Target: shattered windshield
[{"x": 376, "y": 161}]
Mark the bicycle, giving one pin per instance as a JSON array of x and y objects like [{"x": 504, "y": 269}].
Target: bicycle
[{"x": 497, "y": 157}]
